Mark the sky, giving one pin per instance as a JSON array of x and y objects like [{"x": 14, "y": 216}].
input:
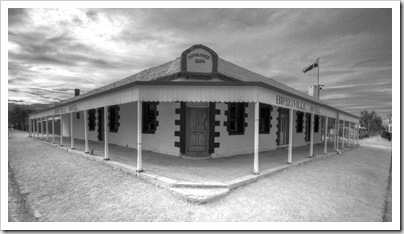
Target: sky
[{"x": 53, "y": 51}]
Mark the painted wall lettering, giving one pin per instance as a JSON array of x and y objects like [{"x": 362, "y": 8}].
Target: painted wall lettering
[
  {"x": 290, "y": 102},
  {"x": 296, "y": 104},
  {"x": 66, "y": 109}
]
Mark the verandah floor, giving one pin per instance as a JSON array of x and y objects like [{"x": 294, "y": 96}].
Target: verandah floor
[{"x": 207, "y": 170}]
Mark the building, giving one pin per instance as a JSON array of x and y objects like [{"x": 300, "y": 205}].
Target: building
[{"x": 197, "y": 105}]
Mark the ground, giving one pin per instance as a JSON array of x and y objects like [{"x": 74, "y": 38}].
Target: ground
[{"x": 55, "y": 185}]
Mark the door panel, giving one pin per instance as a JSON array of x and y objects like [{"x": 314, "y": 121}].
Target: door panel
[
  {"x": 197, "y": 129},
  {"x": 284, "y": 131}
]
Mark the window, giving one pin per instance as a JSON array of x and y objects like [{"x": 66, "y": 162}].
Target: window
[
  {"x": 316, "y": 123},
  {"x": 91, "y": 118},
  {"x": 150, "y": 117},
  {"x": 299, "y": 122},
  {"x": 78, "y": 115},
  {"x": 265, "y": 114},
  {"x": 113, "y": 118},
  {"x": 235, "y": 119}
]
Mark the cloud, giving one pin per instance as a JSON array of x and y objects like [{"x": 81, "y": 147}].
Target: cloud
[{"x": 53, "y": 51}]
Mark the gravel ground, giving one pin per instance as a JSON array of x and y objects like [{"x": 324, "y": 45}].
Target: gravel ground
[
  {"x": 18, "y": 209},
  {"x": 66, "y": 187},
  {"x": 214, "y": 170}
]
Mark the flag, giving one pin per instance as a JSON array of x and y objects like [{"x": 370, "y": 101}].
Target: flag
[{"x": 314, "y": 65}]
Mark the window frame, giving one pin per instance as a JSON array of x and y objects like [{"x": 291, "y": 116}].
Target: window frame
[
  {"x": 238, "y": 117},
  {"x": 316, "y": 123},
  {"x": 299, "y": 121},
  {"x": 113, "y": 121},
  {"x": 91, "y": 120},
  {"x": 148, "y": 116},
  {"x": 264, "y": 119}
]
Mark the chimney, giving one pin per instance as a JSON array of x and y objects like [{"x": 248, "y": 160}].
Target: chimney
[
  {"x": 76, "y": 92},
  {"x": 313, "y": 91}
]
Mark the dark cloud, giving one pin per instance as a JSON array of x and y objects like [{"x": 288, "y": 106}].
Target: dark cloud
[
  {"x": 92, "y": 14},
  {"x": 16, "y": 16},
  {"x": 14, "y": 100},
  {"x": 354, "y": 46}
]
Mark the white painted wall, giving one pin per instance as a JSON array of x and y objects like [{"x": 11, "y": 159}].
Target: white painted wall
[
  {"x": 78, "y": 125},
  {"x": 163, "y": 141},
  {"x": 242, "y": 144},
  {"x": 66, "y": 125}
]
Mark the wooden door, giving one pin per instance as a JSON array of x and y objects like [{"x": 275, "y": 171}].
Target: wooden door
[
  {"x": 197, "y": 129},
  {"x": 100, "y": 124},
  {"x": 284, "y": 131}
]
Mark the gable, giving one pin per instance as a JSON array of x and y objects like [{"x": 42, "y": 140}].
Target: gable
[{"x": 199, "y": 59}]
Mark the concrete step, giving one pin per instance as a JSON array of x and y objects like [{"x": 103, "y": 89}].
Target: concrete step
[
  {"x": 184, "y": 184},
  {"x": 200, "y": 195}
]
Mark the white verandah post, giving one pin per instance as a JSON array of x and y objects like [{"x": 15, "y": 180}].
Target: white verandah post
[
  {"x": 139, "y": 136},
  {"x": 47, "y": 128},
  {"x": 357, "y": 129},
  {"x": 291, "y": 116},
  {"x": 71, "y": 131},
  {"x": 29, "y": 127},
  {"x": 37, "y": 122},
  {"x": 32, "y": 128},
  {"x": 325, "y": 134},
  {"x": 53, "y": 129},
  {"x": 86, "y": 150},
  {"x": 311, "y": 134},
  {"x": 61, "y": 130},
  {"x": 106, "y": 130},
  {"x": 349, "y": 134},
  {"x": 256, "y": 137},
  {"x": 36, "y": 128},
  {"x": 343, "y": 134},
  {"x": 42, "y": 129},
  {"x": 335, "y": 134}
]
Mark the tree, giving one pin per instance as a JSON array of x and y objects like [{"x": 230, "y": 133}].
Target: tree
[
  {"x": 372, "y": 122},
  {"x": 18, "y": 116}
]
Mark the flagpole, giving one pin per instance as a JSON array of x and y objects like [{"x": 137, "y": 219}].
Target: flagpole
[{"x": 318, "y": 79}]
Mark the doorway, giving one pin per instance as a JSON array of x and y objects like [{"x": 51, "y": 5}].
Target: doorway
[
  {"x": 197, "y": 130},
  {"x": 284, "y": 126},
  {"x": 101, "y": 130}
]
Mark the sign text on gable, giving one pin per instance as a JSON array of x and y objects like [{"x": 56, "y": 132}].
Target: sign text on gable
[{"x": 199, "y": 57}]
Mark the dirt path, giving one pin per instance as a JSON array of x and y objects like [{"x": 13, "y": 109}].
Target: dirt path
[{"x": 66, "y": 187}]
